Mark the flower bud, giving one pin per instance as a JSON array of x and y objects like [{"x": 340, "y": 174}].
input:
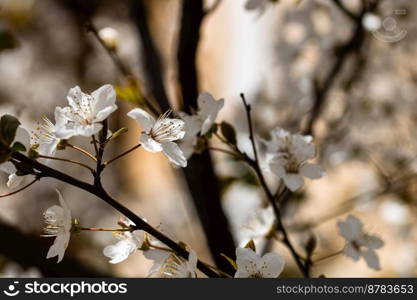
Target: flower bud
[{"x": 110, "y": 37}]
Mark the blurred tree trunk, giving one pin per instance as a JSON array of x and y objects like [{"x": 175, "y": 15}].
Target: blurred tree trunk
[
  {"x": 201, "y": 178},
  {"x": 151, "y": 58}
]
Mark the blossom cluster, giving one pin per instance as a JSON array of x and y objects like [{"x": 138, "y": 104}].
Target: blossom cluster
[{"x": 178, "y": 136}]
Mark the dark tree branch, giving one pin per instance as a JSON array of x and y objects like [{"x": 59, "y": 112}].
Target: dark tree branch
[
  {"x": 345, "y": 10},
  {"x": 192, "y": 14},
  {"x": 354, "y": 44},
  {"x": 213, "y": 8},
  {"x": 255, "y": 164},
  {"x": 99, "y": 192},
  {"x": 111, "y": 52},
  {"x": 201, "y": 179}
]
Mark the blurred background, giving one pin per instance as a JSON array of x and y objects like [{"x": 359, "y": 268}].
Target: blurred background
[{"x": 293, "y": 60}]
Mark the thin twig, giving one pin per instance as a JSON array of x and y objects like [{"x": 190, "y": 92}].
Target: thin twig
[
  {"x": 94, "y": 142},
  {"x": 106, "y": 229},
  {"x": 100, "y": 145},
  {"x": 354, "y": 43},
  {"x": 327, "y": 257},
  {"x": 67, "y": 160},
  {"x": 85, "y": 152},
  {"x": 345, "y": 10},
  {"x": 251, "y": 135},
  {"x": 113, "y": 55},
  {"x": 121, "y": 155},
  {"x": 218, "y": 270},
  {"x": 119, "y": 63},
  {"x": 19, "y": 190},
  {"x": 99, "y": 192},
  {"x": 348, "y": 204},
  {"x": 255, "y": 165}
]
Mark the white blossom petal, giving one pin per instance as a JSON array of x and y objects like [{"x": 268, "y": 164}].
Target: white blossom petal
[
  {"x": 88, "y": 130},
  {"x": 120, "y": 251},
  {"x": 48, "y": 149},
  {"x": 174, "y": 154},
  {"x": 145, "y": 120},
  {"x": 351, "y": 228},
  {"x": 374, "y": 242},
  {"x": 351, "y": 252},
  {"x": 149, "y": 144},
  {"x": 158, "y": 256},
  {"x": 371, "y": 259},
  {"x": 272, "y": 265},
  {"x": 58, "y": 223},
  {"x": 62, "y": 129},
  {"x": 8, "y": 167},
  {"x": 277, "y": 167},
  {"x": 59, "y": 246},
  {"x": 187, "y": 146},
  {"x": 104, "y": 102},
  {"x": 208, "y": 110},
  {"x": 293, "y": 181},
  {"x": 14, "y": 181},
  {"x": 312, "y": 171},
  {"x": 192, "y": 124},
  {"x": 74, "y": 96},
  {"x": 246, "y": 261}
]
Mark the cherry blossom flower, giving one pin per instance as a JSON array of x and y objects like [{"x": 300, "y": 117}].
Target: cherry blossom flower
[
  {"x": 22, "y": 136},
  {"x": 44, "y": 138},
  {"x": 58, "y": 224},
  {"x": 110, "y": 37},
  {"x": 177, "y": 267},
  {"x": 251, "y": 265},
  {"x": 128, "y": 243},
  {"x": 199, "y": 123},
  {"x": 287, "y": 156},
  {"x": 169, "y": 265},
  {"x": 358, "y": 243},
  {"x": 158, "y": 256},
  {"x": 85, "y": 112},
  {"x": 159, "y": 135}
]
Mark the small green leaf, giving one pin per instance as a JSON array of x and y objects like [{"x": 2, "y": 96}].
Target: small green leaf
[
  {"x": 131, "y": 92},
  {"x": 62, "y": 145},
  {"x": 228, "y": 132},
  {"x": 8, "y": 127},
  {"x": 201, "y": 145},
  {"x": 17, "y": 146},
  {"x": 33, "y": 153},
  {"x": 118, "y": 133}
]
